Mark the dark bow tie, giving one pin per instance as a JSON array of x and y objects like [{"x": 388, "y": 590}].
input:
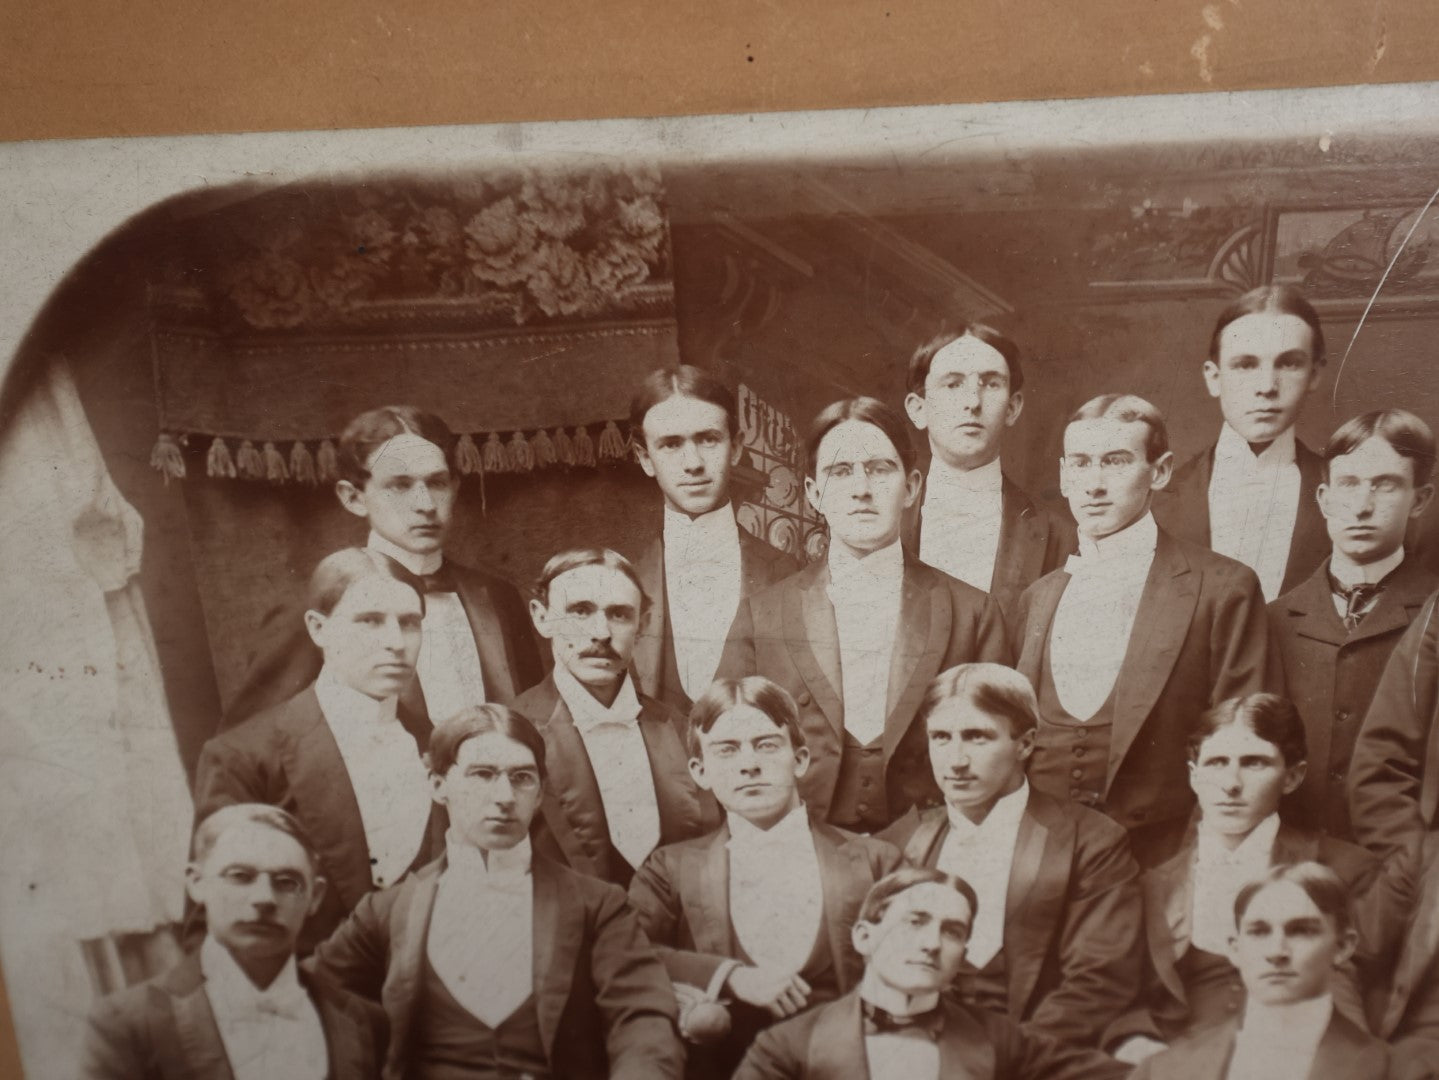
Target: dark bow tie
[
  {"x": 1359, "y": 600},
  {"x": 925, "y": 1025}
]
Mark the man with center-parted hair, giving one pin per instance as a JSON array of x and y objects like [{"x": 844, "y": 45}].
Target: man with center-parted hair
[
  {"x": 1135, "y": 635},
  {"x": 758, "y": 912},
  {"x": 620, "y": 783},
  {"x": 897, "y": 1024},
  {"x": 395, "y": 475},
  {"x": 1057, "y": 944},
  {"x": 855, "y": 637},
  {"x": 494, "y": 961},
  {"x": 966, "y": 390},
  {"x": 702, "y": 563},
  {"x": 1335, "y": 632}
]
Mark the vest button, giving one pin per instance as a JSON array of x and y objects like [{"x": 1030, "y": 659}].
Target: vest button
[
  {"x": 1079, "y": 751},
  {"x": 805, "y": 699},
  {"x": 1341, "y": 715},
  {"x": 863, "y": 808},
  {"x": 1078, "y": 774}
]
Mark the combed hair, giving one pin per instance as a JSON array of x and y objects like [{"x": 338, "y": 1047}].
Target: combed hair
[
  {"x": 993, "y": 689},
  {"x": 725, "y": 695},
  {"x": 565, "y": 561},
  {"x": 1270, "y": 299},
  {"x": 883, "y": 891},
  {"x": 369, "y": 431},
  {"x": 1272, "y": 717},
  {"x": 867, "y": 410},
  {"x": 1406, "y": 433},
  {"x": 337, "y": 571},
  {"x": 1132, "y": 409},
  {"x": 923, "y": 358},
  {"x": 448, "y": 737},
  {"x": 209, "y": 831},
  {"x": 1320, "y": 884},
  {"x": 683, "y": 381}
]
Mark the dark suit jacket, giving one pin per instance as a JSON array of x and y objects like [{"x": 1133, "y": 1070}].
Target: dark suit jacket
[
  {"x": 1199, "y": 637},
  {"x": 1073, "y": 919},
  {"x": 605, "y": 1005},
  {"x": 787, "y": 633},
  {"x": 164, "y": 1029},
  {"x": 1032, "y": 542},
  {"x": 287, "y": 756},
  {"x": 286, "y": 660},
  {"x": 1331, "y": 675},
  {"x": 1183, "y": 510},
  {"x": 654, "y": 659},
  {"x": 827, "y": 1043},
  {"x": 1346, "y": 1052},
  {"x": 1163, "y": 1012},
  {"x": 571, "y": 827},
  {"x": 682, "y": 896}
]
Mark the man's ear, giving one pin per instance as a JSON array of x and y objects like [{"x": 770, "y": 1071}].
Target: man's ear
[
  {"x": 642, "y": 453},
  {"x": 1422, "y": 497},
  {"x": 352, "y": 498},
  {"x": 801, "y": 761},
  {"x": 317, "y": 895},
  {"x": 1161, "y": 471},
  {"x": 1348, "y": 942},
  {"x": 914, "y": 407},
  {"x": 1026, "y": 744},
  {"x": 736, "y": 449},
  {"x": 697, "y": 772},
  {"x": 811, "y": 492},
  {"x": 1211, "y": 378},
  {"x": 861, "y": 935},
  {"x": 192, "y": 885},
  {"x": 315, "y": 625},
  {"x": 1294, "y": 776},
  {"x": 540, "y": 616},
  {"x": 1014, "y": 408},
  {"x": 1321, "y": 496},
  {"x": 912, "y": 485}
]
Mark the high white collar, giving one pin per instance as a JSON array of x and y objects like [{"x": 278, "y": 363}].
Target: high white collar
[
  {"x": 1002, "y": 816},
  {"x": 718, "y": 525},
  {"x": 1232, "y": 449},
  {"x": 1296, "y": 1023},
  {"x": 465, "y": 860},
  {"x": 792, "y": 830},
  {"x": 1350, "y": 573},
  {"x": 347, "y": 707},
  {"x": 879, "y": 993},
  {"x": 415, "y": 564},
  {"x": 1134, "y": 541},
  {"x": 226, "y": 979},
  {"x": 1254, "y": 850},
  {"x": 586, "y": 709},
  {"x": 987, "y": 479},
  {"x": 847, "y": 569}
]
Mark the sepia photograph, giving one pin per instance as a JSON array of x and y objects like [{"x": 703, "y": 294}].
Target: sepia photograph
[{"x": 907, "y": 594}]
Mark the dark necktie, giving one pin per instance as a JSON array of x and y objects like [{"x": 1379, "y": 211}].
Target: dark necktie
[
  {"x": 1359, "y": 600},
  {"x": 925, "y": 1025}
]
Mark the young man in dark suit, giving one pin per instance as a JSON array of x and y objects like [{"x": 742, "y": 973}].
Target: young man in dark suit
[
  {"x": 237, "y": 1008},
  {"x": 1250, "y": 496},
  {"x": 966, "y": 389},
  {"x": 620, "y": 785},
  {"x": 395, "y": 475},
  {"x": 855, "y": 637},
  {"x": 1335, "y": 632},
  {"x": 1057, "y": 942},
  {"x": 494, "y": 961},
  {"x": 758, "y": 912},
  {"x": 342, "y": 755},
  {"x": 898, "y": 1025},
  {"x": 702, "y": 563},
  {"x": 1137, "y": 634}
]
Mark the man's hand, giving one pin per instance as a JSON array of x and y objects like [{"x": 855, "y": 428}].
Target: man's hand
[
  {"x": 1136, "y": 1048},
  {"x": 783, "y": 993}
]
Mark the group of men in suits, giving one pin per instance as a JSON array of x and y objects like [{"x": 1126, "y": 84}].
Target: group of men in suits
[{"x": 683, "y": 830}]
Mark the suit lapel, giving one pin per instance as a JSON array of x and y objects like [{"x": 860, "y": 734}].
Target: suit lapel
[
  {"x": 649, "y": 646},
  {"x": 410, "y": 932},
  {"x": 1168, "y": 896},
  {"x": 491, "y": 642},
  {"x": 964, "y": 1045},
  {"x": 924, "y": 844},
  {"x": 1310, "y": 608},
  {"x": 558, "y": 930},
  {"x": 676, "y": 795},
  {"x": 844, "y": 879},
  {"x": 754, "y": 564},
  {"x": 1023, "y": 539},
  {"x": 836, "y": 1043},
  {"x": 1310, "y": 534},
  {"x": 201, "y": 1050},
  {"x": 1189, "y": 502},
  {"x": 1344, "y": 1052},
  {"x": 1293, "y": 845},
  {"x": 706, "y": 905},
  {"x": 1043, "y": 603},
  {"x": 1037, "y": 882},
  {"x": 347, "y": 1037},
  {"x": 812, "y": 637},
  {"x": 571, "y": 806},
  {"x": 924, "y": 623},
  {"x": 1399, "y": 603}
]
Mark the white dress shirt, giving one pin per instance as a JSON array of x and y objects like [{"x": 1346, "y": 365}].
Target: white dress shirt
[
  {"x": 702, "y": 590},
  {"x": 983, "y": 855},
  {"x": 776, "y": 899},
  {"x": 960, "y": 523},
  {"x": 449, "y": 663},
  {"x": 620, "y": 761},
  {"x": 898, "y": 1057},
  {"x": 1095, "y": 616},
  {"x": 1219, "y": 874},
  {"x": 482, "y": 929},
  {"x": 269, "y": 1033},
  {"x": 392, "y": 786},
  {"x": 866, "y": 594},
  {"x": 1350, "y": 573},
  {"x": 1253, "y": 504},
  {"x": 1278, "y": 1041}
]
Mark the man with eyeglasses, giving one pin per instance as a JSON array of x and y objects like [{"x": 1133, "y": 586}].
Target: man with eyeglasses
[
  {"x": 1135, "y": 635},
  {"x": 496, "y": 962}
]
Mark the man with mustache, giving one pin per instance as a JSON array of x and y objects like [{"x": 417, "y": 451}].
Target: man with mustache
[{"x": 620, "y": 785}]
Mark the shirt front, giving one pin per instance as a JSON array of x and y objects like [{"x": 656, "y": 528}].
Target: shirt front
[
  {"x": 269, "y": 1033},
  {"x": 983, "y": 855},
  {"x": 1219, "y": 874},
  {"x": 620, "y": 762},
  {"x": 895, "y": 1056},
  {"x": 1253, "y": 505},
  {"x": 448, "y": 666},
  {"x": 1096, "y": 613},
  {"x": 776, "y": 898},
  {"x": 866, "y": 594},
  {"x": 391, "y": 784},
  {"x": 1350, "y": 573},
  {"x": 481, "y": 940},
  {"x": 961, "y": 519},
  {"x": 1279, "y": 1040},
  {"x": 702, "y": 590}
]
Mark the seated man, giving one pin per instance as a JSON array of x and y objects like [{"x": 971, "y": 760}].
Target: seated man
[
  {"x": 341, "y": 755},
  {"x": 897, "y": 1025},
  {"x": 1057, "y": 944},
  {"x": 1292, "y": 931},
  {"x": 759, "y": 910},
  {"x": 495, "y": 963},
  {"x": 237, "y": 1008},
  {"x": 619, "y": 783}
]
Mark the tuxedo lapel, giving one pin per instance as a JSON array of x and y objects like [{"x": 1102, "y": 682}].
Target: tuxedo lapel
[
  {"x": 1311, "y": 534},
  {"x": 836, "y": 1043},
  {"x": 571, "y": 806},
  {"x": 497, "y": 665},
  {"x": 1023, "y": 539},
  {"x": 1043, "y": 602},
  {"x": 410, "y": 933},
  {"x": 1168, "y": 897},
  {"x": 925, "y": 617},
  {"x": 812, "y": 637},
  {"x": 1293, "y": 845},
  {"x": 1037, "y": 884},
  {"x": 844, "y": 878},
  {"x": 677, "y": 796},
  {"x": 1345, "y": 1053},
  {"x": 754, "y": 563},
  {"x": 347, "y": 1037},
  {"x": 924, "y": 844},
  {"x": 706, "y": 905},
  {"x": 558, "y": 934},
  {"x": 964, "y": 1045},
  {"x": 1187, "y": 502},
  {"x": 649, "y": 645},
  {"x": 201, "y": 1051}
]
